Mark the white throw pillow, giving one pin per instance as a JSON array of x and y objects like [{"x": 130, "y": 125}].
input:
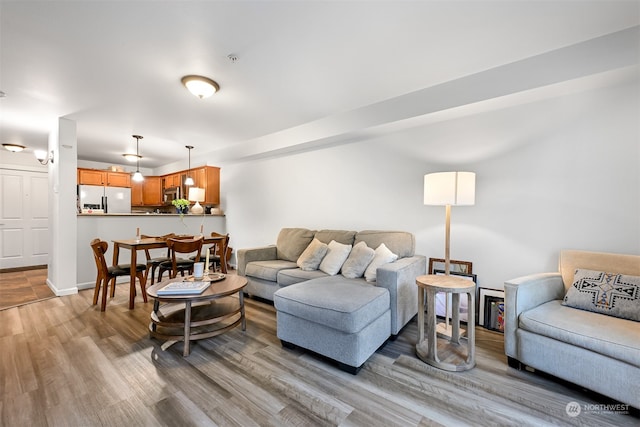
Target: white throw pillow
[
  {"x": 383, "y": 256},
  {"x": 312, "y": 256},
  {"x": 336, "y": 256},
  {"x": 355, "y": 265}
]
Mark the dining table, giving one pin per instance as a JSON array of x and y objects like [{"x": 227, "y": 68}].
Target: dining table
[{"x": 135, "y": 245}]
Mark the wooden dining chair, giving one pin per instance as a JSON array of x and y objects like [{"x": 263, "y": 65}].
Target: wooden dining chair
[
  {"x": 217, "y": 257},
  {"x": 214, "y": 251},
  {"x": 154, "y": 261},
  {"x": 184, "y": 246},
  {"x": 107, "y": 274}
]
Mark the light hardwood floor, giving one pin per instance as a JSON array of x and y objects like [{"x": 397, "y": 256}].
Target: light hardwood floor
[
  {"x": 64, "y": 363},
  {"x": 21, "y": 286}
]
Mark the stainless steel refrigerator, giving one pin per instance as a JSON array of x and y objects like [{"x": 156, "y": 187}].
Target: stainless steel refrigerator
[{"x": 111, "y": 199}]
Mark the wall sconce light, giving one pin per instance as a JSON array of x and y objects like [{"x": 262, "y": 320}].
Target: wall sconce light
[
  {"x": 202, "y": 87},
  {"x": 44, "y": 157},
  {"x": 14, "y": 148}
]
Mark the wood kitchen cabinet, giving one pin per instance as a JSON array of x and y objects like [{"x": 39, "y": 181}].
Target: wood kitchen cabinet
[
  {"x": 147, "y": 192},
  {"x": 106, "y": 178},
  {"x": 208, "y": 177},
  {"x": 172, "y": 180}
]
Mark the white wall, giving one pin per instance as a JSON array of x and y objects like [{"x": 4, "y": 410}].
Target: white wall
[
  {"x": 557, "y": 173},
  {"x": 125, "y": 167}
]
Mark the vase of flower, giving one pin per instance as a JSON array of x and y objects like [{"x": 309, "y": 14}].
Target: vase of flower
[{"x": 182, "y": 206}]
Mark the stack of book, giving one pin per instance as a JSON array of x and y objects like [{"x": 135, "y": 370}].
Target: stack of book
[
  {"x": 494, "y": 316},
  {"x": 185, "y": 288}
]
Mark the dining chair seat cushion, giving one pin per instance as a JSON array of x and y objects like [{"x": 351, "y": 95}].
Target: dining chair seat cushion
[
  {"x": 125, "y": 269},
  {"x": 158, "y": 260},
  {"x": 179, "y": 262}
]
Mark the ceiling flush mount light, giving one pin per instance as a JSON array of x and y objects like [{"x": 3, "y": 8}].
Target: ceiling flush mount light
[
  {"x": 14, "y": 148},
  {"x": 202, "y": 87},
  {"x": 189, "y": 180},
  {"x": 137, "y": 177},
  {"x": 132, "y": 157},
  {"x": 44, "y": 157}
]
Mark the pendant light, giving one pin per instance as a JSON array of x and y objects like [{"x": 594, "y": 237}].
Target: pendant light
[
  {"x": 137, "y": 177},
  {"x": 189, "y": 180}
]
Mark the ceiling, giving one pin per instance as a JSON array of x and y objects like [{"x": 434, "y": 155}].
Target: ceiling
[{"x": 305, "y": 71}]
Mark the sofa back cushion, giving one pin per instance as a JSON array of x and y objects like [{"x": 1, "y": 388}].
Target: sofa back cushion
[
  {"x": 341, "y": 236},
  {"x": 292, "y": 242},
  {"x": 571, "y": 260},
  {"x": 400, "y": 243}
]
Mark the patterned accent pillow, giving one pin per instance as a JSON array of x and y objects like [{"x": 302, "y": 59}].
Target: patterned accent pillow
[{"x": 606, "y": 293}]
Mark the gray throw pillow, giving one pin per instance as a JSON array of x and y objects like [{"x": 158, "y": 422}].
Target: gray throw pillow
[
  {"x": 359, "y": 258},
  {"x": 606, "y": 293},
  {"x": 312, "y": 255}
]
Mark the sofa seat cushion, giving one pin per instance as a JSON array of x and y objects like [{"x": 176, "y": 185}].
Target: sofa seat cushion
[
  {"x": 343, "y": 304},
  {"x": 607, "y": 335},
  {"x": 268, "y": 270},
  {"x": 291, "y": 276}
]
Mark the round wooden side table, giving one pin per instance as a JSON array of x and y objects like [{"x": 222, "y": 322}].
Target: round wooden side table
[{"x": 454, "y": 358}]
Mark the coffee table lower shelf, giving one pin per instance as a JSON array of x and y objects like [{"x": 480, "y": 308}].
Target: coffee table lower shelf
[{"x": 207, "y": 320}]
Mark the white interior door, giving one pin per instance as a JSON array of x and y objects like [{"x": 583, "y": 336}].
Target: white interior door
[{"x": 24, "y": 212}]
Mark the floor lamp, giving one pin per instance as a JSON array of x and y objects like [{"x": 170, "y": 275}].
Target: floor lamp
[{"x": 449, "y": 189}]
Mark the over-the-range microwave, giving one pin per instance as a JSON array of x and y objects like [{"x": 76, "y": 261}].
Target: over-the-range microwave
[{"x": 171, "y": 194}]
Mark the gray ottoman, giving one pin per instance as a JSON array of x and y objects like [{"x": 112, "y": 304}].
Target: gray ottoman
[{"x": 344, "y": 319}]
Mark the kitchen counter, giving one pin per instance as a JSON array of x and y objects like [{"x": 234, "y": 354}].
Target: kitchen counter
[{"x": 148, "y": 214}]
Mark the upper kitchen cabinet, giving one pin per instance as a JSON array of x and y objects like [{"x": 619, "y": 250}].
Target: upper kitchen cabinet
[
  {"x": 106, "y": 178},
  {"x": 208, "y": 177},
  {"x": 173, "y": 180},
  {"x": 147, "y": 192}
]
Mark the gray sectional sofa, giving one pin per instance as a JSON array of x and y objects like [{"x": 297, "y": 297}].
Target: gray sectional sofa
[
  {"x": 545, "y": 330},
  {"x": 344, "y": 319}
]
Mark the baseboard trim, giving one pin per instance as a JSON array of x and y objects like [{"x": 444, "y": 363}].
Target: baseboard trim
[{"x": 25, "y": 268}]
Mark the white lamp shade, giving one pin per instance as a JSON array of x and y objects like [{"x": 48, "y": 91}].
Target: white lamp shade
[
  {"x": 196, "y": 194},
  {"x": 450, "y": 188}
]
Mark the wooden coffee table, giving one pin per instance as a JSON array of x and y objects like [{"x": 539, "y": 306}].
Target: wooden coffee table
[{"x": 196, "y": 317}]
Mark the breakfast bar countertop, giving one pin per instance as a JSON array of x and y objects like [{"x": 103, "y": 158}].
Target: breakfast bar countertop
[
  {"x": 146, "y": 214},
  {"x": 118, "y": 226}
]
